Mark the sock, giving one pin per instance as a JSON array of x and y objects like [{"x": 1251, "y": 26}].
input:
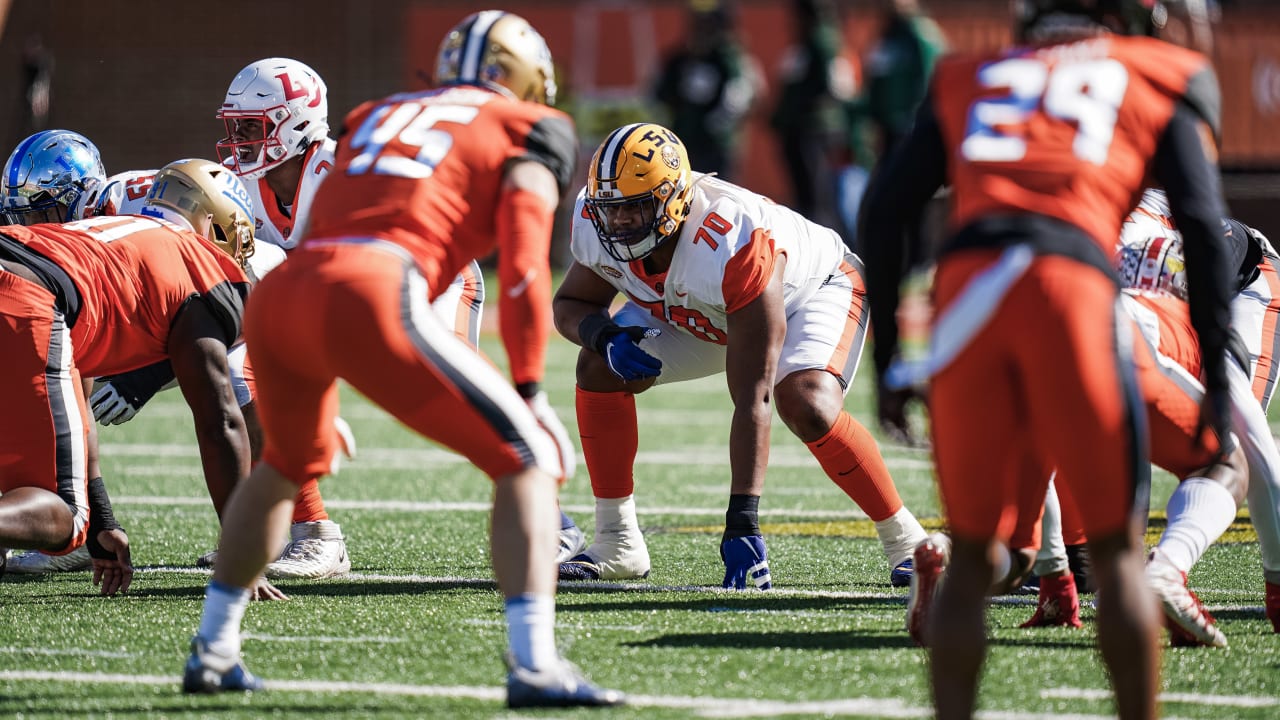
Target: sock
[
  {"x": 852, "y": 460},
  {"x": 308, "y": 506},
  {"x": 224, "y": 607},
  {"x": 899, "y": 535},
  {"x": 1273, "y": 605},
  {"x": 1199, "y": 510},
  {"x": 531, "y": 621},
  {"x": 742, "y": 519},
  {"x": 610, "y": 439},
  {"x": 1051, "y": 558},
  {"x": 614, "y": 515}
]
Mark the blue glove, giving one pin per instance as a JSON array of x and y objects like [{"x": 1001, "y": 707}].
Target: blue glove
[
  {"x": 745, "y": 557},
  {"x": 626, "y": 359}
]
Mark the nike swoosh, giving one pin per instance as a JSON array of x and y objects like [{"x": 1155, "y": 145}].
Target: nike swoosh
[
  {"x": 518, "y": 290},
  {"x": 680, "y": 294}
]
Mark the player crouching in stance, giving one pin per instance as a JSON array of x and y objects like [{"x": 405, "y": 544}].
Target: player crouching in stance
[
  {"x": 718, "y": 279},
  {"x": 103, "y": 296}
]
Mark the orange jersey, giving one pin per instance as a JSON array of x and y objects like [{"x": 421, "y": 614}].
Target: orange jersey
[
  {"x": 1067, "y": 131},
  {"x": 130, "y": 278},
  {"x": 423, "y": 170}
]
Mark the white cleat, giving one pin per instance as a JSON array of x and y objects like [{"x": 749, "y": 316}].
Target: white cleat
[
  {"x": 572, "y": 542},
  {"x": 315, "y": 550},
  {"x": 1189, "y": 623},
  {"x": 618, "y": 555},
  {"x": 34, "y": 562}
]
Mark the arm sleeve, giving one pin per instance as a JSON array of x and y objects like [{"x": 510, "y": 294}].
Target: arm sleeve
[
  {"x": 524, "y": 276},
  {"x": 1191, "y": 181},
  {"x": 909, "y": 177},
  {"x": 226, "y": 301}
]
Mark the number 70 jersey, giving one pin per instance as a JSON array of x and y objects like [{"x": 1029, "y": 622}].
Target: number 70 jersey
[{"x": 1067, "y": 130}]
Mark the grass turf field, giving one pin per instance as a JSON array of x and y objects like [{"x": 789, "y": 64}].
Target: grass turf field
[{"x": 417, "y": 629}]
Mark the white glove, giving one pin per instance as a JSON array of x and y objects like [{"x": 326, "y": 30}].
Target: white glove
[
  {"x": 547, "y": 418},
  {"x": 109, "y": 407}
]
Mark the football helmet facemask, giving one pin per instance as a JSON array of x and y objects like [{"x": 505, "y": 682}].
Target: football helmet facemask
[
  {"x": 1041, "y": 19},
  {"x": 639, "y": 187},
  {"x": 197, "y": 189},
  {"x": 501, "y": 51},
  {"x": 46, "y": 175},
  {"x": 274, "y": 110}
]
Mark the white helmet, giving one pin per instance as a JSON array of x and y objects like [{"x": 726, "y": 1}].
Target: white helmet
[{"x": 274, "y": 110}]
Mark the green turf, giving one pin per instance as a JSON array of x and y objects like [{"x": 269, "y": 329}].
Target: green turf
[{"x": 420, "y": 614}]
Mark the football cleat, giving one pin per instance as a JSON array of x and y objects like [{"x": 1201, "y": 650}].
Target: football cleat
[
  {"x": 315, "y": 550},
  {"x": 1189, "y": 623},
  {"x": 34, "y": 562},
  {"x": 1273, "y": 605},
  {"x": 208, "y": 559},
  {"x": 208, "y": 672},
  {"x": 745, "y": 558},
  {"x": 572, "y": 542},
  {"x": 615, "y": 555},
  {"x": 930, "y": 560},
  {"x": 560, "y": 686},
  {"x": 1058, "y": 605},
  {"x": 900, "y": 575}
]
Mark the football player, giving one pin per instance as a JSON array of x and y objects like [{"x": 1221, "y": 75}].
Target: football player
[
  {"x": 423, "y": 184},
  {"x": 1047, "y": 146},
  {"x": 106, "y": 295},
  {"x": 717, "y": 279}
]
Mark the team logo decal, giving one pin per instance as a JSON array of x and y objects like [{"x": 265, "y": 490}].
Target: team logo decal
[
  {"x": 671, "y": 157},
  {"x": 612, "y": 272}
]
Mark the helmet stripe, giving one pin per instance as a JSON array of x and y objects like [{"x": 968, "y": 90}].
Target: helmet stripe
[
  {"x": 21, "y": 153},
  {"x": 613, "y": 149},
  {"x": 473, "y": 46}
]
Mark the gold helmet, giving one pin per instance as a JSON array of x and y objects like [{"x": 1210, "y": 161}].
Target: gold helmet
[
  {"x": 501, "y": 51},
  {"x": 197, "y": 189},
  {"x": 639, "y": 187}
]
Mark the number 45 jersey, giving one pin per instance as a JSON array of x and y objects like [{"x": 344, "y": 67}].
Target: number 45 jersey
[
  {"x": 423, "y": 170},
  {"x": 726, "y": 252},
  {"x": 1080, "y": 155}
]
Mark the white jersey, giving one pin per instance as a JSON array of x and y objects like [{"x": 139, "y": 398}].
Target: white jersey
[
  {"x": 724, "y": 257},
  {"x": 121, "y": 194},
  {"x": 271, "y": 224}
]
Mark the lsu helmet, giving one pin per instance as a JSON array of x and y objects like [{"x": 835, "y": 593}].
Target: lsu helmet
[
  {"x": 501, "y": 51},
  {"x": 290, "y": 103},
  {"x": 198, "y": 189},
  {"x": 46, "y": 175},
  {"x": 639, "y": 187},
  {"x": 1036, "y": 19}
]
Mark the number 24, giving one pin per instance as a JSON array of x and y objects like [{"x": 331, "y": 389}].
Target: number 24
[{"x": 1087, "y": 93}]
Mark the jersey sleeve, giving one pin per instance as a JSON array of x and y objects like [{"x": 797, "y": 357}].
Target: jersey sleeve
[
  {"x": 553, "y": 143},
  {"x": 749, "y": 270},
  {"x": 1204, "y": 97},
  {"x": 226, "y": 301}
]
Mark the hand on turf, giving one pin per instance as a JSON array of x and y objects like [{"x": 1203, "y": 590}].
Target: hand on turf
[
  {"x": 745, "y": 560},
  {"x": 113, "y": 575},
  {"x": 550, "y": 422},
  {"x": 264, "y": 590}
]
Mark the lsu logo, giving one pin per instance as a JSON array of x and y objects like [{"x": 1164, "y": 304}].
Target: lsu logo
[{"x": 671, "y": 157}]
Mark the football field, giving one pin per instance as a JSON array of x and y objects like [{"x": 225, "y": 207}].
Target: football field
[{"x": 416, "y": 630}]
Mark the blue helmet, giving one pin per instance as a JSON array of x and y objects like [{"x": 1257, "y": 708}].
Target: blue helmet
[{"x": 49, "y": 171}]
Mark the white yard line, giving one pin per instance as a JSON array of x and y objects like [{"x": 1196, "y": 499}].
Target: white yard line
[
  {"x": 74, "y": 652},
  {"x": 1243, "y": 701},
  {"x": 703, "y": 706},
  {"x": 336, "y": 639}
]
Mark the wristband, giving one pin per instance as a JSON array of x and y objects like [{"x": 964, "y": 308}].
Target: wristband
[{"x": 595, "y": 331}]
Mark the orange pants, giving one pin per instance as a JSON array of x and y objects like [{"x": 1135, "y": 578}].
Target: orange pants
[
  {"x": 1045, "y": 375},
  {"x": 44, "y": 428},
  {"x": 357, "y": 310}
]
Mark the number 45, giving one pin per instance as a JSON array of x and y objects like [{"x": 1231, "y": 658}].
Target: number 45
[{"x": 1087, "y": 94}]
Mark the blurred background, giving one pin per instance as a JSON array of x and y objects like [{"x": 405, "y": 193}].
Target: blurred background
[{"x": 792, "y": 98}]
